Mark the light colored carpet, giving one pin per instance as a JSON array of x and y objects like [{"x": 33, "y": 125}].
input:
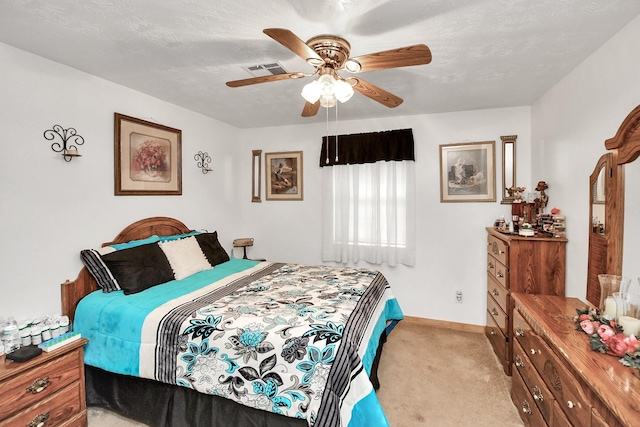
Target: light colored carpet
[{"x": 429, "y": 377}]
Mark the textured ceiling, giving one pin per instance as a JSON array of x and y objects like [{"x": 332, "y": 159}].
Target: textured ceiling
[{"x": 486, "y": 53}]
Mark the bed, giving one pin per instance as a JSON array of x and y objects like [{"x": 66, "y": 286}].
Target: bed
[{"x": 240, "y": 342}]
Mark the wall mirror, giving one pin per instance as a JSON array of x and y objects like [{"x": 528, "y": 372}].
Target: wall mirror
[
  {"x": 508, "y": 167},
  {"x": 620, "y": 240},
  {"x": 597, "y": 262},
  {"x": 256, "y": 175}
]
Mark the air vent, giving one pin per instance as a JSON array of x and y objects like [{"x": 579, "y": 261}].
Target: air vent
[{"x": 270, "y": 69}]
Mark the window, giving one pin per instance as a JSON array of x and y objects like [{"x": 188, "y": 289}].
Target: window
[{"x": 369, "y": 209}]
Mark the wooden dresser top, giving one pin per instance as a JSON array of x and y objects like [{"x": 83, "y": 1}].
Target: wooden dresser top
[{"x": 616, "y": 385}]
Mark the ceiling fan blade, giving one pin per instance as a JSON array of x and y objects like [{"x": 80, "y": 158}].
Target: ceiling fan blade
[
  {"x": 310, "y": 109},
  {"x": 374, "y": 92},
  {"x": 418, "y": 54},
  {"x": 292, "y": 42},
  {"x": 262, "y": 79}
]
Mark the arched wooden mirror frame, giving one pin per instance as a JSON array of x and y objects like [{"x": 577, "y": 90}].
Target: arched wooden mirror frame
[
  {"x": 625, "y": 148},
  {"x": 599, "y": 181}
]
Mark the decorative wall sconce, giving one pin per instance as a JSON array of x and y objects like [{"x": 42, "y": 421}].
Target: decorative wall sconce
[
  {"x": 69, "y": 137},
  {"x": 203, "y": 160}
]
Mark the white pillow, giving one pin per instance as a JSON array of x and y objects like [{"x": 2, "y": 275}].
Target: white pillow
[{"x": 185, "y": 257}]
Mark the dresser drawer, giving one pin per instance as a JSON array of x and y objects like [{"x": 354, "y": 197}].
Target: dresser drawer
[
  {"x": 542, "y": 397},
  {"x": 522, "y": 332},
  {"x": 59, "y": 409},
  {"x": 38, "y": 383},
  {"x": 499, "y": 343},
  {"x": 499, "y": 316},
  {"x": 528, "y": 410},
  {"x": 567, "y": 390},
  {"x": 498, "y": 248},
  {"x": 498, "y": 293}
]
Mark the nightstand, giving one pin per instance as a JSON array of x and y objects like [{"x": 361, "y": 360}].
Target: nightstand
[{"x": 47, "y": 390}]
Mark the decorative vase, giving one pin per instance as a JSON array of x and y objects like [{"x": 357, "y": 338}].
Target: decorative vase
[
  {"x": 610, "y": 284},
  {"x": 151, "y": 170}
]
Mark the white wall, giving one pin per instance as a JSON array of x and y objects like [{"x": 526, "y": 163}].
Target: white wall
[
  {"x": 51, "y": 209},
  {"x": 569, "y": 126},
  {"x": 451, "y": 248}
]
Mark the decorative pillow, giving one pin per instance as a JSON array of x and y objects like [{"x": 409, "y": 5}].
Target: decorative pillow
[
  {"x": 178, "y": 236},
  {"x": 93, "y": 261},
  {"x": 134, "y": 243},
  {"x": 139, "y": 268},
  {"x": 212, "y": 248},
  {"x": 185, "y": 257}
]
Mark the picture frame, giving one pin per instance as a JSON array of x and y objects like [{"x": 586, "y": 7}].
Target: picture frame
[
  {"x": 147, "y": 158},
  {"x": 284, "y": 177},
  {"x": 467, "y": 172}
]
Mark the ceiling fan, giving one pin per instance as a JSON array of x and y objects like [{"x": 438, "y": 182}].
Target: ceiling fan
[{"x": 330, "y": 54}]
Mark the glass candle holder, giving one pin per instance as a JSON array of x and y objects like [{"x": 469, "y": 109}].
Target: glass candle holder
[{"x": 610, "y": 284}]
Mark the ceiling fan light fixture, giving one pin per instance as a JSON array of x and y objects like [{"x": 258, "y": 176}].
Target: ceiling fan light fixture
[
  {"x": 352, "y": 66},
  {"x": 328, "y": 101},
  {"x": 343, "y": 90},
  {"x": 311, "y": 92}
]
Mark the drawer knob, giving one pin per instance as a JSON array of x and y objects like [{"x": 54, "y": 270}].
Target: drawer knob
[
  {"x": 495, "y": 292},
  {"x": 519, "y": 363},
  {"x": 526, "y": 408},
  {"x": 533, "y": 351},
  {"x": 500, "y": 274},
  {"x": 39, "y": 421},
  {"x": 537, "y": 394},
  {"x": 494, "y": 311},
  {"x": 38, "y": 385},
  {"x": 490, "y": 266},
  {"x": 570, "y": 404},
  {"x": 519, "y": 331},
  {"x": 493, "y": 332}
]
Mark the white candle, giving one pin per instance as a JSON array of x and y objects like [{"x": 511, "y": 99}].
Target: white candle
[
  {"x": 630, "y": 325},
  {"x": 610, "y": 308}
]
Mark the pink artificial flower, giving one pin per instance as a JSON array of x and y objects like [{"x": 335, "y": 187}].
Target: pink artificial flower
[
  {"x": 632, "y": 344},
  {"x": 617, "y": 345},
  {"x": 605, "y": 332},
  {"x": 583, "y": 316},
  {"x": 588, "y": 326}
]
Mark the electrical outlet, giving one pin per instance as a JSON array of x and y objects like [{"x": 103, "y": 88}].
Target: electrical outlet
[{"x": 458, "y": 296}]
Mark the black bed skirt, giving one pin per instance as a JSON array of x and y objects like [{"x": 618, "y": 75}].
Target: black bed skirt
[{"x": 164, "y": 405}]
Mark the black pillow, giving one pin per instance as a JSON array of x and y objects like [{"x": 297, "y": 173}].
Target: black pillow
[
  {"x": 139, "y": 268},
  {"x": 212, "y": 248}
]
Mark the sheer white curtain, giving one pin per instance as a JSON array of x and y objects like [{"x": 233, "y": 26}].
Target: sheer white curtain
[{"x": 369, "y": 213}]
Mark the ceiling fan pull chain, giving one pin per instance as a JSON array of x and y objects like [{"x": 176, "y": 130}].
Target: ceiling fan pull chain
[
  {"x": 327, "y": 133},
  {"x": 336, "y": 132}
]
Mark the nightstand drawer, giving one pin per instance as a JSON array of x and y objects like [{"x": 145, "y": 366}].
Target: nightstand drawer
[
  {"x": 57, "y": 410},
  {"x": 38, "y": 383}
]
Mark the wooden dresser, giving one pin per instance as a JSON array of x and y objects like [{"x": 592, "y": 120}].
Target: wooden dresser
[
  {"x": 518, "y": 264},
  {"x": 558, "y": 380},
  {"x": 46, "y": 391}
]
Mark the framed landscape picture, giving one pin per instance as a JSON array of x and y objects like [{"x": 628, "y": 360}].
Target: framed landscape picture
[
  {"x": 467, "y": 172},
  {"x": 148, "y": 158},
  {"x": 283, "y": 175}
]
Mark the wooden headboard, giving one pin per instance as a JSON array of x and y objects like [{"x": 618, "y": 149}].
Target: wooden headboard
[{"x": 73, "y": 291}]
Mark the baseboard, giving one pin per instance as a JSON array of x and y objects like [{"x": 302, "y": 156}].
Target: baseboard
[{"x": 422, "y": 321}]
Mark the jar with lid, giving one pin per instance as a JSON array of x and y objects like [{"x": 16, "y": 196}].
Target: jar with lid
[{"x": 11, "y": 336}]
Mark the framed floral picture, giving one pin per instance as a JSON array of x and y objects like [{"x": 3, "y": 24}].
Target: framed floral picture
[
  {"x": 148, "y": 158},
  {"x": 468, "y": 172},
  {"x": 283, "y": 175}
]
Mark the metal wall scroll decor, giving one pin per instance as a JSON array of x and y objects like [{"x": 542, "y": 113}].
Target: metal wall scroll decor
[
  {"x": 69, "y": 138},
  {"x": 203, "y": 161}
]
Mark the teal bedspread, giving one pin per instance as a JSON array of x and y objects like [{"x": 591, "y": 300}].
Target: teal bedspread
[{"x": 292, "y": 339}]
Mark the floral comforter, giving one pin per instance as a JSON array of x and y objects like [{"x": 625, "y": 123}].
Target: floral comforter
[{"x": 297, "y": 340}]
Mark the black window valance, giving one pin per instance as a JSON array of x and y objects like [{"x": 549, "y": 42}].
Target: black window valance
[{"x": 392, "y": 145}]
